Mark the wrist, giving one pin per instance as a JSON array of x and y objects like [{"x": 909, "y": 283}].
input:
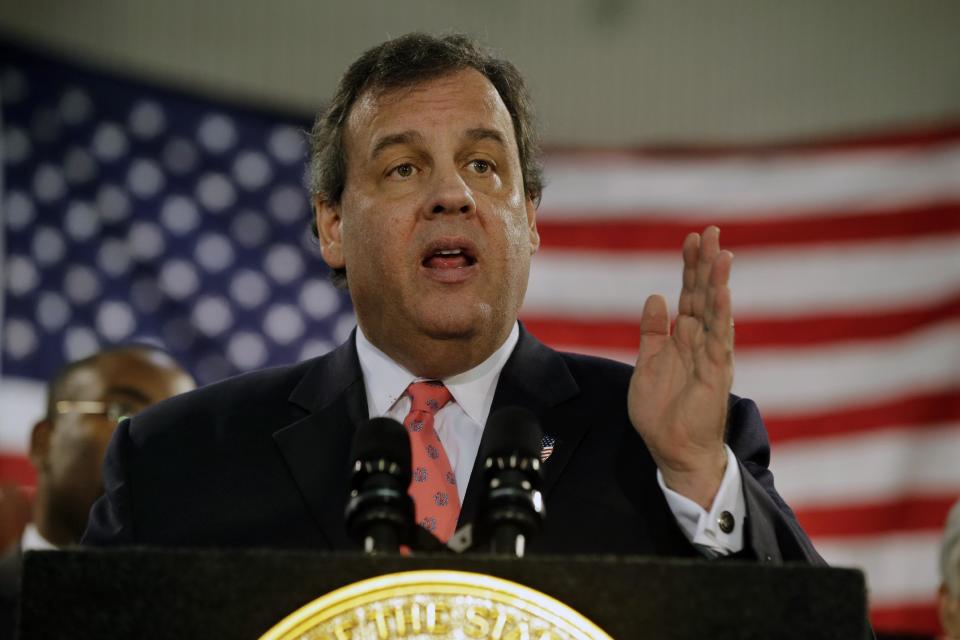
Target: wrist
[{"x": 699, "y": 481}]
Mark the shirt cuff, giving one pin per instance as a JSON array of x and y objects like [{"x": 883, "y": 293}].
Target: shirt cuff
[{"x": 718, "y": 532}]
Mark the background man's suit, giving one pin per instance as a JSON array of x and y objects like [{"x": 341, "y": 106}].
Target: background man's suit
[
  {"x": 263, "y": 460},
  {"x": 11, "y": 569}
]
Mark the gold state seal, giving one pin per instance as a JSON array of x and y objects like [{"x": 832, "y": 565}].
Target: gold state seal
[{"x": 435, "y": 605}]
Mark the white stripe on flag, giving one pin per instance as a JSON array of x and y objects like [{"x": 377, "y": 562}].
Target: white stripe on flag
[
  {"x": 831, "y": 377},
  {"x": 900, "y": 568},
  {"x": 23, "y": 403},
  {"x": 871, "y": 276},
  {"x": 742, "y": 186},
  {"x": 877, "y": 466}
]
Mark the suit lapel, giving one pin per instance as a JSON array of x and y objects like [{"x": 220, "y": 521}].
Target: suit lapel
[
  {"x": 535, "y": 378},
  {"x": 316, "y": 448}
]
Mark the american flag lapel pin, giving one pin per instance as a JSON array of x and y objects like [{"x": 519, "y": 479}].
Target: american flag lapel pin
[{"x": 546, "y": 447}]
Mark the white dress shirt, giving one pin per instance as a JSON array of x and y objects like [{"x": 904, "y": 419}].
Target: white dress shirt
[
  {"x": 459, "y": 425},
  {"x": 33, "y": 540}
]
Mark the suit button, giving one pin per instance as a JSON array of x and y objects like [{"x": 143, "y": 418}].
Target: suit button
[{"x": 726, "y": 522}]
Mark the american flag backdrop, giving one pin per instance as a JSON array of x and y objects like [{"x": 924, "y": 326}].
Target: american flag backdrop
[{"x": 132, "y": 213}]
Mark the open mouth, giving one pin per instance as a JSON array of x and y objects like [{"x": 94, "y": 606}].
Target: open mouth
[{"x": 449, "y": 255}]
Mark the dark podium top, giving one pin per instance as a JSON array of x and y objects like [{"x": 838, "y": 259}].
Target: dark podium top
[{"x": 150, "y": 593}]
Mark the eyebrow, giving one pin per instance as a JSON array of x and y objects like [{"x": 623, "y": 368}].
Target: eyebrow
[
  {"x": 404, "y": 137},
  {"x": 482, "y": 133},
  {"x": 414, "y": 137}
]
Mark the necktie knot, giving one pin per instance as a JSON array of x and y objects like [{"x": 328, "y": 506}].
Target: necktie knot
[{"x": 429, "y": 396}]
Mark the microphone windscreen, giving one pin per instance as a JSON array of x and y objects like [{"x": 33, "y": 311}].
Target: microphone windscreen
[
  {"x": 513, "y": 430},
  {"x": 383, "y": 439}
]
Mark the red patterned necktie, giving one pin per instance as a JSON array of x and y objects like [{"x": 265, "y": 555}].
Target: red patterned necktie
[{"x": 434, "y": 487}]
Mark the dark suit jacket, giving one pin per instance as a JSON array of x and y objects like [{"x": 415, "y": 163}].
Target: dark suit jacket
[
  {"x": 11, "y": 568},
  {"x": 263, "y": 460}
]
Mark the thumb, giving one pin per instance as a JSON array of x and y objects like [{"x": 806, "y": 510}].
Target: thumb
[
  {"x": 655, "y": 319},
  {"x": 654, "y": 327}
]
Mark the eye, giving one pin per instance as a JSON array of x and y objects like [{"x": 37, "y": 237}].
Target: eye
[
  {"x": 480, "y": 166},
  {"x": 403, "y": 170}
]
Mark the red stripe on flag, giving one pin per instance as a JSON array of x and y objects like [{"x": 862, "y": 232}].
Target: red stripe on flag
[
  {"x": 907, "y": 513},
  {"x": 915, "y": 410},
  {"x": 908, "y": 618},
  {"x": 752, "y": 332},
  {"x": 642, "y": 232},
  {"x": 17, "y": 469}
]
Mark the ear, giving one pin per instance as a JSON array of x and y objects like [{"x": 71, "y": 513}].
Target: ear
[
  {"x": 40, "y": 444},
  {"x": 532, "y": 226},
  {"x": 329, "y": 230}
]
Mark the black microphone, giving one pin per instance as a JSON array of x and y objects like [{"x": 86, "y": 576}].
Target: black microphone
[
  {"x": 379, "y": 512},
  {"x": 511, "y": 510}
]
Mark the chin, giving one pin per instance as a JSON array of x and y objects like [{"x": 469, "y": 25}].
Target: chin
[{"x": 458, "y": 324}]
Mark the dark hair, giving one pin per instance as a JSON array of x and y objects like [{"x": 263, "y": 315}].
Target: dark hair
[{"x": 407, "y": 61}]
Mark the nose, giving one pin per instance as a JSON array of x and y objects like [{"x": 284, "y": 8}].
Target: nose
[{"x": 451, "y": 194}]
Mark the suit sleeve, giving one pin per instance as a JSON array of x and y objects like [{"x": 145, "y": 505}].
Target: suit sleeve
[
  {"x": 772, "y": 531},
  {"x": 110, "y": 522}
]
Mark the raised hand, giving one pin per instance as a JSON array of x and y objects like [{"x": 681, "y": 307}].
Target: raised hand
[{"x": 679, "y": 390}]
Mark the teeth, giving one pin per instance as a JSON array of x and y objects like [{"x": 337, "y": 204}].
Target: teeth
[{"x": 449, "y": 252}]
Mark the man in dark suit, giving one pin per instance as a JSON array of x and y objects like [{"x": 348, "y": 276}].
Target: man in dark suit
[{"x": 426, "y": 180}]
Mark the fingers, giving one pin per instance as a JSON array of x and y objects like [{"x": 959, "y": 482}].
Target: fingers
[
  {"x": 691, "y": 257},
  {"x": 709, "y": 249},
  {"x": 699, "y": 254},
  {"x": 706, "y": 294},
  {"x": 718, "y": 279},
  {"x": 718, "y": 324}
]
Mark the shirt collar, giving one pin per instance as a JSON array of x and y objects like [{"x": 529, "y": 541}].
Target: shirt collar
[
  {"x": 33, "y": 540},
  {"x": 386, "y": 381}
]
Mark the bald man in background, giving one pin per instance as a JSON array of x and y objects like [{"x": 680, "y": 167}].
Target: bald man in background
[{"x": 85, "y": 401}]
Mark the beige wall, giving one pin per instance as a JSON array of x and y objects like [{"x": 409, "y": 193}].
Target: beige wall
[{"x": 603, "y": 71}]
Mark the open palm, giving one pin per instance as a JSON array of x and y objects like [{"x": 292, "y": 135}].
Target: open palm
[{"x": 680, "y": 386}]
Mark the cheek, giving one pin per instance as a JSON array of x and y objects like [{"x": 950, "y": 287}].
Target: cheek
[
  {"x": 81, "y": 450},
  {"x": 517, "y": 201},
  {"x": 370, "y": 232},
  {"x": 366, "y": 248},
  {"x": 510, "y": 212},
  {"x": 360, "y": 230},
  {"x": 517, "y": 231}
]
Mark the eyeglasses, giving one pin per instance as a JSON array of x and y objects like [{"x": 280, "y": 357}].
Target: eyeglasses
[{"x": 113, "y": 411}]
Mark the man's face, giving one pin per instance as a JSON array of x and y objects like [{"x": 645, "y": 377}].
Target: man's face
[
  {"x": 433, "y": 226},
  {"x": 69, "y": 451}
]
